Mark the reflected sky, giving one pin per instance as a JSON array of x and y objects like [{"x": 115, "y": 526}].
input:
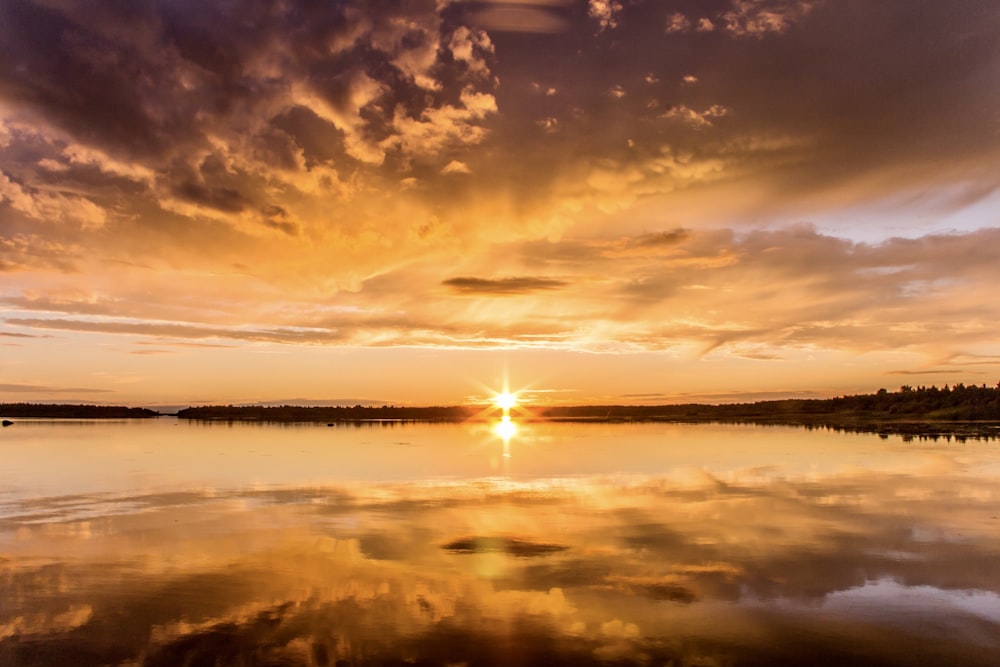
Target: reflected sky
[{"x": 588, "y": 544}]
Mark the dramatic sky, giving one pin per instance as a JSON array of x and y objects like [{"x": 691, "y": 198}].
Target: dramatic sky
[{"x": 405, "y": 201}]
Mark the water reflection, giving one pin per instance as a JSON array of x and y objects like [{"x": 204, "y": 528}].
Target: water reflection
[
  {"x": 755, "y": 556},
  {"x": 506, "y": 429}
]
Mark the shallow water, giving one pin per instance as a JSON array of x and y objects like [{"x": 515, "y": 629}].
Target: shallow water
[{"x": 173, "y": 543}]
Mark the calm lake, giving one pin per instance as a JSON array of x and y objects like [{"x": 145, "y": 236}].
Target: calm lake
[{"x": 166, "y": 542}]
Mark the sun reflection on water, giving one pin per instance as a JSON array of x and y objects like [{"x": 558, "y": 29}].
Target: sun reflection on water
[{"x": 506, "y": 429}]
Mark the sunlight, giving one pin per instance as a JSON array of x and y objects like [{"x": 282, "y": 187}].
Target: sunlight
[
  {"x": 505, "y": 428},
  {"x": 506, "y": 400}
]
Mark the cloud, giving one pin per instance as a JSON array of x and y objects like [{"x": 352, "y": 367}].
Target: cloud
[
  {"x": 511, "y": 286},
  {"x": 438, "y": 128},
  {"x": 747, "y": 18},
  {"x": 456, "y": 167},
  {"x": 32, "y": 252},
  {"x": 524, "y": 16},
  {"x": 14, "y": 194},
  {"x": 362, "y": 86},
  {"x": 43, "y": 206},
  {"x": 46, "y": 389},
  {"x": 764, "y": 295},
  {"x": 509, "y": 545},
  {"x": 757, "y": 18},
  {"x": 775, "y": 290},
  {"x": 696, "y": 118},
  {"x": 549, "y": 124},
  {"x": 174, "y": 330},
  {"x": 678, "y": 23},
  {"x": 93, "y": 157},
  {"x": 605, "y": 12},
  {"x": 668, "y": 238},
  {"x": 944, "y": 371},
  {"x": 472, "y": 47}
]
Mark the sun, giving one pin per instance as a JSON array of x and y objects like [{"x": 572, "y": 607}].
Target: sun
[{"x": 506, "y": 400}]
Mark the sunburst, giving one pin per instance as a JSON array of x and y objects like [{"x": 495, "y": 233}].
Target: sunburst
[{"x": 505, "y": 400}]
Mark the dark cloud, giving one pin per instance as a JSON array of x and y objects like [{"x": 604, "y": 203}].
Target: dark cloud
[
  {"x": 511, "y": 546},
  {"x": 807, "y": 95},
  {"x": 662, "y": 238},
  {"x": 228, "y": 200},
  {"x": 356, "y": 84},
  {"x": 510, "y": 286},
  {"x": 68, "y": 67},
  {"x": 857, "y": 98},
  {"x": 319, "y": 140},
  {"x": 278, "y": 218},
  {"x": 162, "y": 79}
]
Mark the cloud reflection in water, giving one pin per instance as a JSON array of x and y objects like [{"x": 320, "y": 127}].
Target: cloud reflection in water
[{"x": 750, "y": 567}]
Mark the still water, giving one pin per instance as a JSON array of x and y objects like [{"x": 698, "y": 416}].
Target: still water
[{"x": 165, "y": 542}]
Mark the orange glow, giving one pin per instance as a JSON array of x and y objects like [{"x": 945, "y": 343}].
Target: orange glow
[
  {"x": 505, "y": 428},
  {"x": 506, "y": 400}
]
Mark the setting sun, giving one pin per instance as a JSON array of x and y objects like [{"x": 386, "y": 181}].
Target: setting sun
[{"x": 506, "y": 400}]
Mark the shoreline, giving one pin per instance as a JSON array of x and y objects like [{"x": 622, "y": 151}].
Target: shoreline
[{"x": 960, "y": 411}]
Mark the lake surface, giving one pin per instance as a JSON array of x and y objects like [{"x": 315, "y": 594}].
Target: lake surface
[{"x": 165, "y": 542}]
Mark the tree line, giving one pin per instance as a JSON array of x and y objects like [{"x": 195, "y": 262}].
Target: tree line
[
  {"x": 959, "y": 403},
  {"x": 327, "y": 413},
  {"x": 60, "y": 411}
]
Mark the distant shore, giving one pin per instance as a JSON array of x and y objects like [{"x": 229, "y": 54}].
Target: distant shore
[
  {"x": 61, "y": 411},
  {"x": 970, "y": 410}
]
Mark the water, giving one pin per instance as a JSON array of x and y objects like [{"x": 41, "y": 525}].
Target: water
[{"x": 172, "y": 543}]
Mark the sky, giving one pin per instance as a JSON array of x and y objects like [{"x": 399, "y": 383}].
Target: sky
[{"x": 413, "y": 202}]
